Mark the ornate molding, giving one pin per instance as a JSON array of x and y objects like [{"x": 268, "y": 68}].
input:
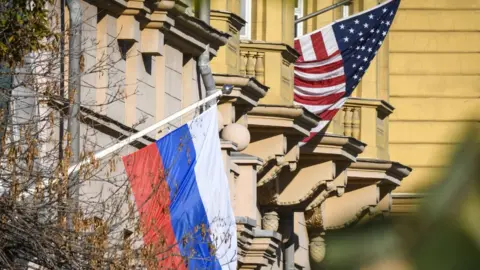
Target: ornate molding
[
  {"x": 314, "y": 218},
  {"x": 246, "y": 90},
  {"x": 256, "y": 247},
  {"x": 267, "y": 194},
  {"x": 317, "y": 249},
  {"x": 293, "y": 120},
  {"x": 367, "y": 171},
  {"x": 270, "y": 221},
  {"x": 333, "y": 147}
]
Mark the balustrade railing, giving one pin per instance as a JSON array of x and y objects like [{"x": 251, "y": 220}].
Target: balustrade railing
[
  {"x": 351, "y": 121},
  {"x": 252, "y": 64}
]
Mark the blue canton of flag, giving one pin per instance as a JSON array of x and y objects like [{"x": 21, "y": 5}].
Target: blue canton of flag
[{"x": 359, "y": 38}]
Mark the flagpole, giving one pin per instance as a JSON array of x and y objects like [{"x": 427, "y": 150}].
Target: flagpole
[
  {"x": 144, "y": 132},
  {"x": 318, "y": 12}
]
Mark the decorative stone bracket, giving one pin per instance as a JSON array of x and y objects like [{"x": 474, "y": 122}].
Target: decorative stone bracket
[
  {"x": 276, "y": 131},
  {"x": 321, "y": 171}
]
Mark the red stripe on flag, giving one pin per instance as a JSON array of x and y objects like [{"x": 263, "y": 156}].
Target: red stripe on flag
[
  {"x": 317, "y": 84},
  {"x": 312, "y": 134},
  {"x": 328, "y": 114},
  {"x": 321, "y": 69},
  {"x": 319, "y": 45},
  {"x": 319, "y": 100},
  {"x": 298, "y": 47},
  {"x": 150, "y": 189}
]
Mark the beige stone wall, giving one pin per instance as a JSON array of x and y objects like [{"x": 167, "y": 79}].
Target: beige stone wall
[{"x": 434, "y": 83}]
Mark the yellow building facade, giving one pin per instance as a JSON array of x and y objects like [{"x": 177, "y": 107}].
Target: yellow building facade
[{"x": 434, "y": 84}]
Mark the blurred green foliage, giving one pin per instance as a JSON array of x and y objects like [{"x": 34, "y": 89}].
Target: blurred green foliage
[{"x": 443, "y": 234}]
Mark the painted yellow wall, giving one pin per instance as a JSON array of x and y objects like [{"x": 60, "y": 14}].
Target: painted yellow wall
[{"x": 434, "y": 83}]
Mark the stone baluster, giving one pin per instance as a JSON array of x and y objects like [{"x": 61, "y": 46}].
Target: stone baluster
[
  {"x": 243, "y": 63},
  {"x": 356, "y": 123},
  {"x": 340, "y": 121},
  {"x": 348, "y": 122},
  {"x": 250, "y": 68},
  {"x": 260, "y": 68}
]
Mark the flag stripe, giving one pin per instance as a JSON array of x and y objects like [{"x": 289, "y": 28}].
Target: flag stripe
[
  {"x": 189, "y": 218},
  {"x": 145, "y": 173},
  {"x": 321, "y": 69},
  {"x": 313, "y": 77},
  {"x": 319, "y": 91},
  {"x": 213, "y": 187},
  {"x": 313, "y": 100},
  {"x": 331, "y": 45},
  {"x": 320, "y": 51},
  {"x": 323, "y": 83}
]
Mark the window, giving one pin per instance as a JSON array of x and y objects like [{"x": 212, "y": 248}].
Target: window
[
  {"x": 246, "y": 14},
  {"x": 298, "y": 14}
]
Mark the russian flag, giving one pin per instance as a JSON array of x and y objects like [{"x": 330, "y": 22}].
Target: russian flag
[{"x": 182, "y": 196}]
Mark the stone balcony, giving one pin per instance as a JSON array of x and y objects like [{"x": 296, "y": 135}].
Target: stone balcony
[
  {"x": 278, "y": 74},
  {"x": 357, "y": 119}
]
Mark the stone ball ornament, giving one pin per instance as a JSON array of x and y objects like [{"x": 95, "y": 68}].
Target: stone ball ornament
[{"x": 238, "y": 134}]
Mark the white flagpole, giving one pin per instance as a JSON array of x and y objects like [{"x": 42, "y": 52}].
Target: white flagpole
[{"x": 144, "y": 132}]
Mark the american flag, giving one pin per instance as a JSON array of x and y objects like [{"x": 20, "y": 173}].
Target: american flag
[{"x": 334, "y": 59}]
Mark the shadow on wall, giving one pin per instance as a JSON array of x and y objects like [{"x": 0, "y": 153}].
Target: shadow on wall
[{"x": 443, "y": 234}]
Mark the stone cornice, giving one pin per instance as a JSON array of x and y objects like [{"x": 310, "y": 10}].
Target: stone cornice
[
  {"x": 186, "y": 32},
  {"x": 332, "y": 147},
  {"x": 228, "y": 145},
  {"x": 233, "y": 19},
  {"x": 288, "y": 53},
  {"x": 405, "y": 203},
  {"x": 201, "y": 30},
  {"x": 245, "y": 159},
  {"x": 367, "y": 171},
  {"x": 381, "y": 105},
  {"x": 293, "y": 120},
  {"x": 246, "y": 90},
  {"x": 257, "y": 247},
  {"x": 106, "y": 125}
]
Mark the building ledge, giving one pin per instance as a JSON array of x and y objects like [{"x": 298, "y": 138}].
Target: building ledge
[
  {"x": 233, "y": 19},
  {"x": 241, "y": 158},
  {"x": 246, "y": 90},
  {"x": 228, "y": 145},
  {"x": 333, "y": 147},
  {"x": 382, "y": 106},
  {"x": 368, "y": 171},
  {"x": 105, "y": 125},
  {"x": 295, "y": 120}
]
